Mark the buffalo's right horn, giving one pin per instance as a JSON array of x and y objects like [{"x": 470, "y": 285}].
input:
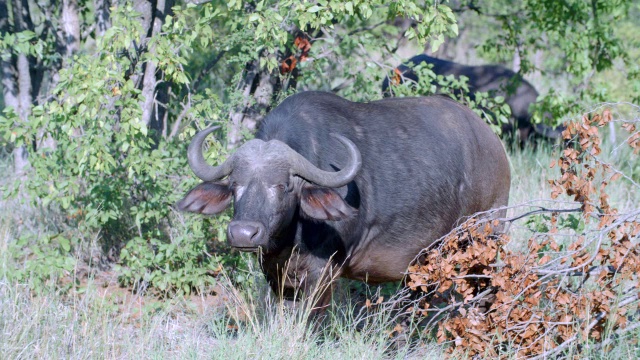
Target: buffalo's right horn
[
  {"x": 306, "y": 170},
  {"x": 199, "y": 165}
]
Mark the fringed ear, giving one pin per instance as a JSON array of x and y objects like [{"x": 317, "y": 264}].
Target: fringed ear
[
  {"x": 323, "y": 203},
  {"x": 207, "y": 198}
]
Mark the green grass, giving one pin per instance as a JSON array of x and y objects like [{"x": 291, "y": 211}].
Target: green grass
[
  {"x": 106, "y": 322},
  {"x": 103, "y": 323}
]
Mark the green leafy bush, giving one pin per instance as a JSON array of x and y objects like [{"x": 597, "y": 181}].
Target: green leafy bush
[
  {"x": 174, "y": 267},
  {"x": 110, "y": 173},
  {"x": 41, "y": 261}
]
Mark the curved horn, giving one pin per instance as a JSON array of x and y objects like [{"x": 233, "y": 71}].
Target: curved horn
[
  {"x": 306, "y": 170},
  {"x": 199, "y": 165}
]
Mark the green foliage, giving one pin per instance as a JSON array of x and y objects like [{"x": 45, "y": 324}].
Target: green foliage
[
  {"x": 540, "y": 223},
  {"x": 622, "y": 80},
  {"x": 581, "y": 31},
  {"x": 102, "y": 149},
  {"x": 42, "y": 261},
  {"x": 108, "y": 171},
  {"x": 491, "y": 109},
  {"x": 577, "y": 39},
  {"x": 176, "y": 267},
  {"x": 263, "y": 30}
]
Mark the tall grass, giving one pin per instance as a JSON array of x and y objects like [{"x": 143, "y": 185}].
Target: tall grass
[{"x": 106, "y": 324}]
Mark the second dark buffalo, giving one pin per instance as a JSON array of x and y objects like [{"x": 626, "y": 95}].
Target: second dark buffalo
[
  {"x": 331, "y": 188},
  {"x": 493, "y": 79}
]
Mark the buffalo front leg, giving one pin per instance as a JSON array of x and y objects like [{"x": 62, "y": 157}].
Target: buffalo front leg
[
  {"x": 318, "y": 288},
  {"x": 304, "y": 280}
]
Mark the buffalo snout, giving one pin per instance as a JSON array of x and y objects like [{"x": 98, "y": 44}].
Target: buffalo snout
[{"x": 246, "y": 234}]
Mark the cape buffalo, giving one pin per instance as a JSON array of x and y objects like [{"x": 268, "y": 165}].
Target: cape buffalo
[
  {"x": 494, "y": 79},
  {"x": 355, "y": 188}
]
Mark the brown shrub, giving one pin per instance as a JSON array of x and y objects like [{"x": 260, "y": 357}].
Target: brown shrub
[{"x": 487, "y": 299}]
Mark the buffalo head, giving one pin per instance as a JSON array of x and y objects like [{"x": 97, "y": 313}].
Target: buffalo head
[{"x": 269, "y": 184}]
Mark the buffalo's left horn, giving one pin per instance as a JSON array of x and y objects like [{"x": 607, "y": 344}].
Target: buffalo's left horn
[
  {"x": 306, "y": 170},
  {"x": 199, "y": 165}
]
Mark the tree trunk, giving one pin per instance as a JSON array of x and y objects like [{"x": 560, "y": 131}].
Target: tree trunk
[
  {"x": 102, "y": 16},
  {"x": 46, "y": 78},
  {"x": 538, "y": 62},
  {"x": 262, "y": 97},
  {"x": 70, "y": 24},
  {"x": 8, "y": 68},
  {"x": 10, "y": 90},
  {"x": 68, "y": 43},
  {"x": 144, "y": 8},
  {"x": 155, "y": 97},
  {"x": 234, "y": 136},
  {"x": 259, "y": 87},
  {"x": 516, "y": 61},
  {"x": 22, "y": 20},
  {"x": 20, "y": 155}
]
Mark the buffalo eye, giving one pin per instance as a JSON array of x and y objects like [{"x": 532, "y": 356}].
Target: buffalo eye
[{"x": 284, "y": 187}]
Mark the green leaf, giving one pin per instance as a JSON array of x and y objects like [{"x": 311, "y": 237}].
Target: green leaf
[
  {"x": 435, "y": 43},
  {"x": 349, "y": 7},
  {"x": 64, "y": 243}
]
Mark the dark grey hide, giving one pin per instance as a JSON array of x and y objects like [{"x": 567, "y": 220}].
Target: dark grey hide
[
  {"x": 495, "y": 80},
  {"x": 348, "y": 189}
]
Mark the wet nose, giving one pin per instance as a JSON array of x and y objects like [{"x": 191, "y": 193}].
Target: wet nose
[{"x": 245, "y": 234}]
